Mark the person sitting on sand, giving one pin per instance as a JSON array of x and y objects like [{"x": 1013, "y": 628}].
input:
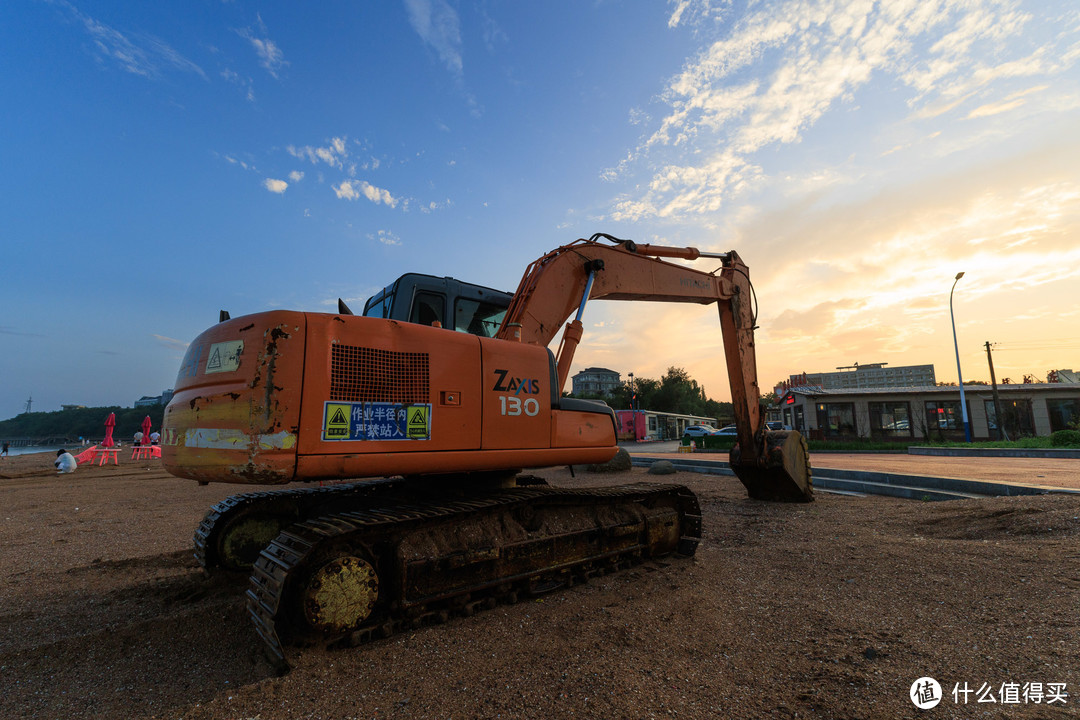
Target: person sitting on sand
[{"x": 64, "y": 462}]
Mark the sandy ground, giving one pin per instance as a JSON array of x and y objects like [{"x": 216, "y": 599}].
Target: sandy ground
[{"x": 830, "y": 610}]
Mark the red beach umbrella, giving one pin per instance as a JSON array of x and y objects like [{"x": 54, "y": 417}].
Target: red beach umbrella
[
  {"x": 110, "y": 423},
  {"x": 146, "y": 430}
]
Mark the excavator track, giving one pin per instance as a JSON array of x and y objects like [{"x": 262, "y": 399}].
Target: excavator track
[
  {"x": 235, "y": 530},
  {"x": 354, "y": 576}
]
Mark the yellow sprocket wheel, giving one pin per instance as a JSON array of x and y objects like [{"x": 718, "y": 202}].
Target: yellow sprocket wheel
[{"x": 340, "y": 595}]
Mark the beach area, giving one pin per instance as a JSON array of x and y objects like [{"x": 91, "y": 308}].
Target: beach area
[
  {"x": 15, "y": 451},
  {"x": 830, "y": 609}
]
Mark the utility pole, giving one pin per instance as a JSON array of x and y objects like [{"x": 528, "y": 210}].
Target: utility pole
[
  {"x": 29, "y": 403},
  {"x": 998, "y": 420}
]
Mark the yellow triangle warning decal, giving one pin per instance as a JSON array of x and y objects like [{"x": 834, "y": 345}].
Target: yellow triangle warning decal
[
  {"x": 336, "y": 426},
  {"x": 418, "y": 427}
]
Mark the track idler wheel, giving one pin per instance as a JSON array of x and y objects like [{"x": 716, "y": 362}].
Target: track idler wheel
[
  {"x": 242, "y": 539},
  {"x": 784, "y": 470}
]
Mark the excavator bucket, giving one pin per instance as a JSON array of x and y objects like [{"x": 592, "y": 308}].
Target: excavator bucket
[{"x": 783, "y": 475}]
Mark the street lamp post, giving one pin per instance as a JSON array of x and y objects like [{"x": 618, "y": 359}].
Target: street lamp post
[{"x": 959, "y": 377}]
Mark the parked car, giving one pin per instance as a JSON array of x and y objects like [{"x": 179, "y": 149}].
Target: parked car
[
  {"x": 700, "y": 430},
  {"x": 727, "y": 430},
  {"x": 775, "y": 425}
]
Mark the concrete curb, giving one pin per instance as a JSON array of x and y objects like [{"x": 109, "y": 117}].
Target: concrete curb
[
  {"x": 915, "y": 487},
  {"x": 995, "y": 452}
]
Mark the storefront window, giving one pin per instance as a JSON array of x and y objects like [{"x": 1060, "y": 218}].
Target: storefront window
[
  {"x": 1063, "y": 413},
  {"x": 890, "y": 419},
  {"x": 837, "y": 419},
  {"x": 1017, "y": 418},
  {"x": 944, "y": 420}
]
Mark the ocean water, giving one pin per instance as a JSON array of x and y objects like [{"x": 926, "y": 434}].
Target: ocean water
[{"x": 28, "y": 449}]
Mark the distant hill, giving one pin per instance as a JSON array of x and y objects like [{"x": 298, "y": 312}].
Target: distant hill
[{"x": 81, "y": 422}]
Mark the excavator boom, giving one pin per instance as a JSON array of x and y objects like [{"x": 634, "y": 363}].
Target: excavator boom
[{"x": 773, "y": 465}]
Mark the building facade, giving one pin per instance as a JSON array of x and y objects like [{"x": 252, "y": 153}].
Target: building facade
[
  {"x": 929, "y": 412},
  {"x": 873, "y": 375},
  {"x": 148, "y": 400},
  {"x": 595, "y": 381}
]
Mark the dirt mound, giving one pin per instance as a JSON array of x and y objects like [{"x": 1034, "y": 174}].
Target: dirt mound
[{"x": 1002, "y": 518}]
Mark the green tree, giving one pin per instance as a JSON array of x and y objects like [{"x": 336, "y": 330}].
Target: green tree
[
  {"x": 676, "y": 392},
  {"x": 679, "y": 393},
  {"x": 81, "y": 422}
]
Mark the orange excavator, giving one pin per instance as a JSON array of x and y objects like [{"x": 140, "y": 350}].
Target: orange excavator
[{"x": 432, "y": 402}]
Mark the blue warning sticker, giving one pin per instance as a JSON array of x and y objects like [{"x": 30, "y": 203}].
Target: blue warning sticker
[{"x": 376, "y": 421}]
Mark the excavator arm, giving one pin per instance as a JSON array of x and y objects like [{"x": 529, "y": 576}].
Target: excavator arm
[{"x": 772, "y": 465}]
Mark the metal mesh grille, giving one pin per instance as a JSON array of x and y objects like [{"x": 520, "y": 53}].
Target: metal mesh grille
[{"x": 359, "y": 374}]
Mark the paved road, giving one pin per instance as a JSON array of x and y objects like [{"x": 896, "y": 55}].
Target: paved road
[{"x": 1053, "y": 472}]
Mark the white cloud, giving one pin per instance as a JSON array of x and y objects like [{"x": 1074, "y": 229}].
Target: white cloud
[
  {"x": 345, "y": 191},
  {"x": 171, "y": 343},
  {"x": 296, "y": 176},
  {"x": 233, "y": 161},
  {"x": 438, "y": 25},
  {"x": 246, "y": 84},
  {"x": 385, "y": 237},
  {"x": 378, "y": 195},
  {"x": 270, "y": 55},
  {"x": 138, "y": 54},
  {"x": 349, "y": 190},
  {"x": 786, "y": 64},
  {"x": 696, "y": 12},
  {"x": 1009, "y": 103},
  {"x": 275, "y": 186},
  {"x": 333, "y": 154}
]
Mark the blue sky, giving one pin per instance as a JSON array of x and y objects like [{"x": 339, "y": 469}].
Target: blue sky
[{"x": 164, "y": 160}]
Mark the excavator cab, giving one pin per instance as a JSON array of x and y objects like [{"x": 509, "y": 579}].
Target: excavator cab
[{"x": 442, "y": 302}]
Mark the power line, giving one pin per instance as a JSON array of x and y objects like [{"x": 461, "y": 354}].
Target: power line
[
  {"x": 1041, "y": 343},
  {"x": 1029, "y": 348}
]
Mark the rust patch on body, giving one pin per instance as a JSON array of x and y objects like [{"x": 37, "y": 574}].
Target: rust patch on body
[{"x": 258, "y": 474}]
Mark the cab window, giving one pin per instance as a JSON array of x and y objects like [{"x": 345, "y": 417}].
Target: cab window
[
  {"x": 379, "y": 305},
  {"x": 427, "y": 308},
  {"x": 477, "y": 317}
]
